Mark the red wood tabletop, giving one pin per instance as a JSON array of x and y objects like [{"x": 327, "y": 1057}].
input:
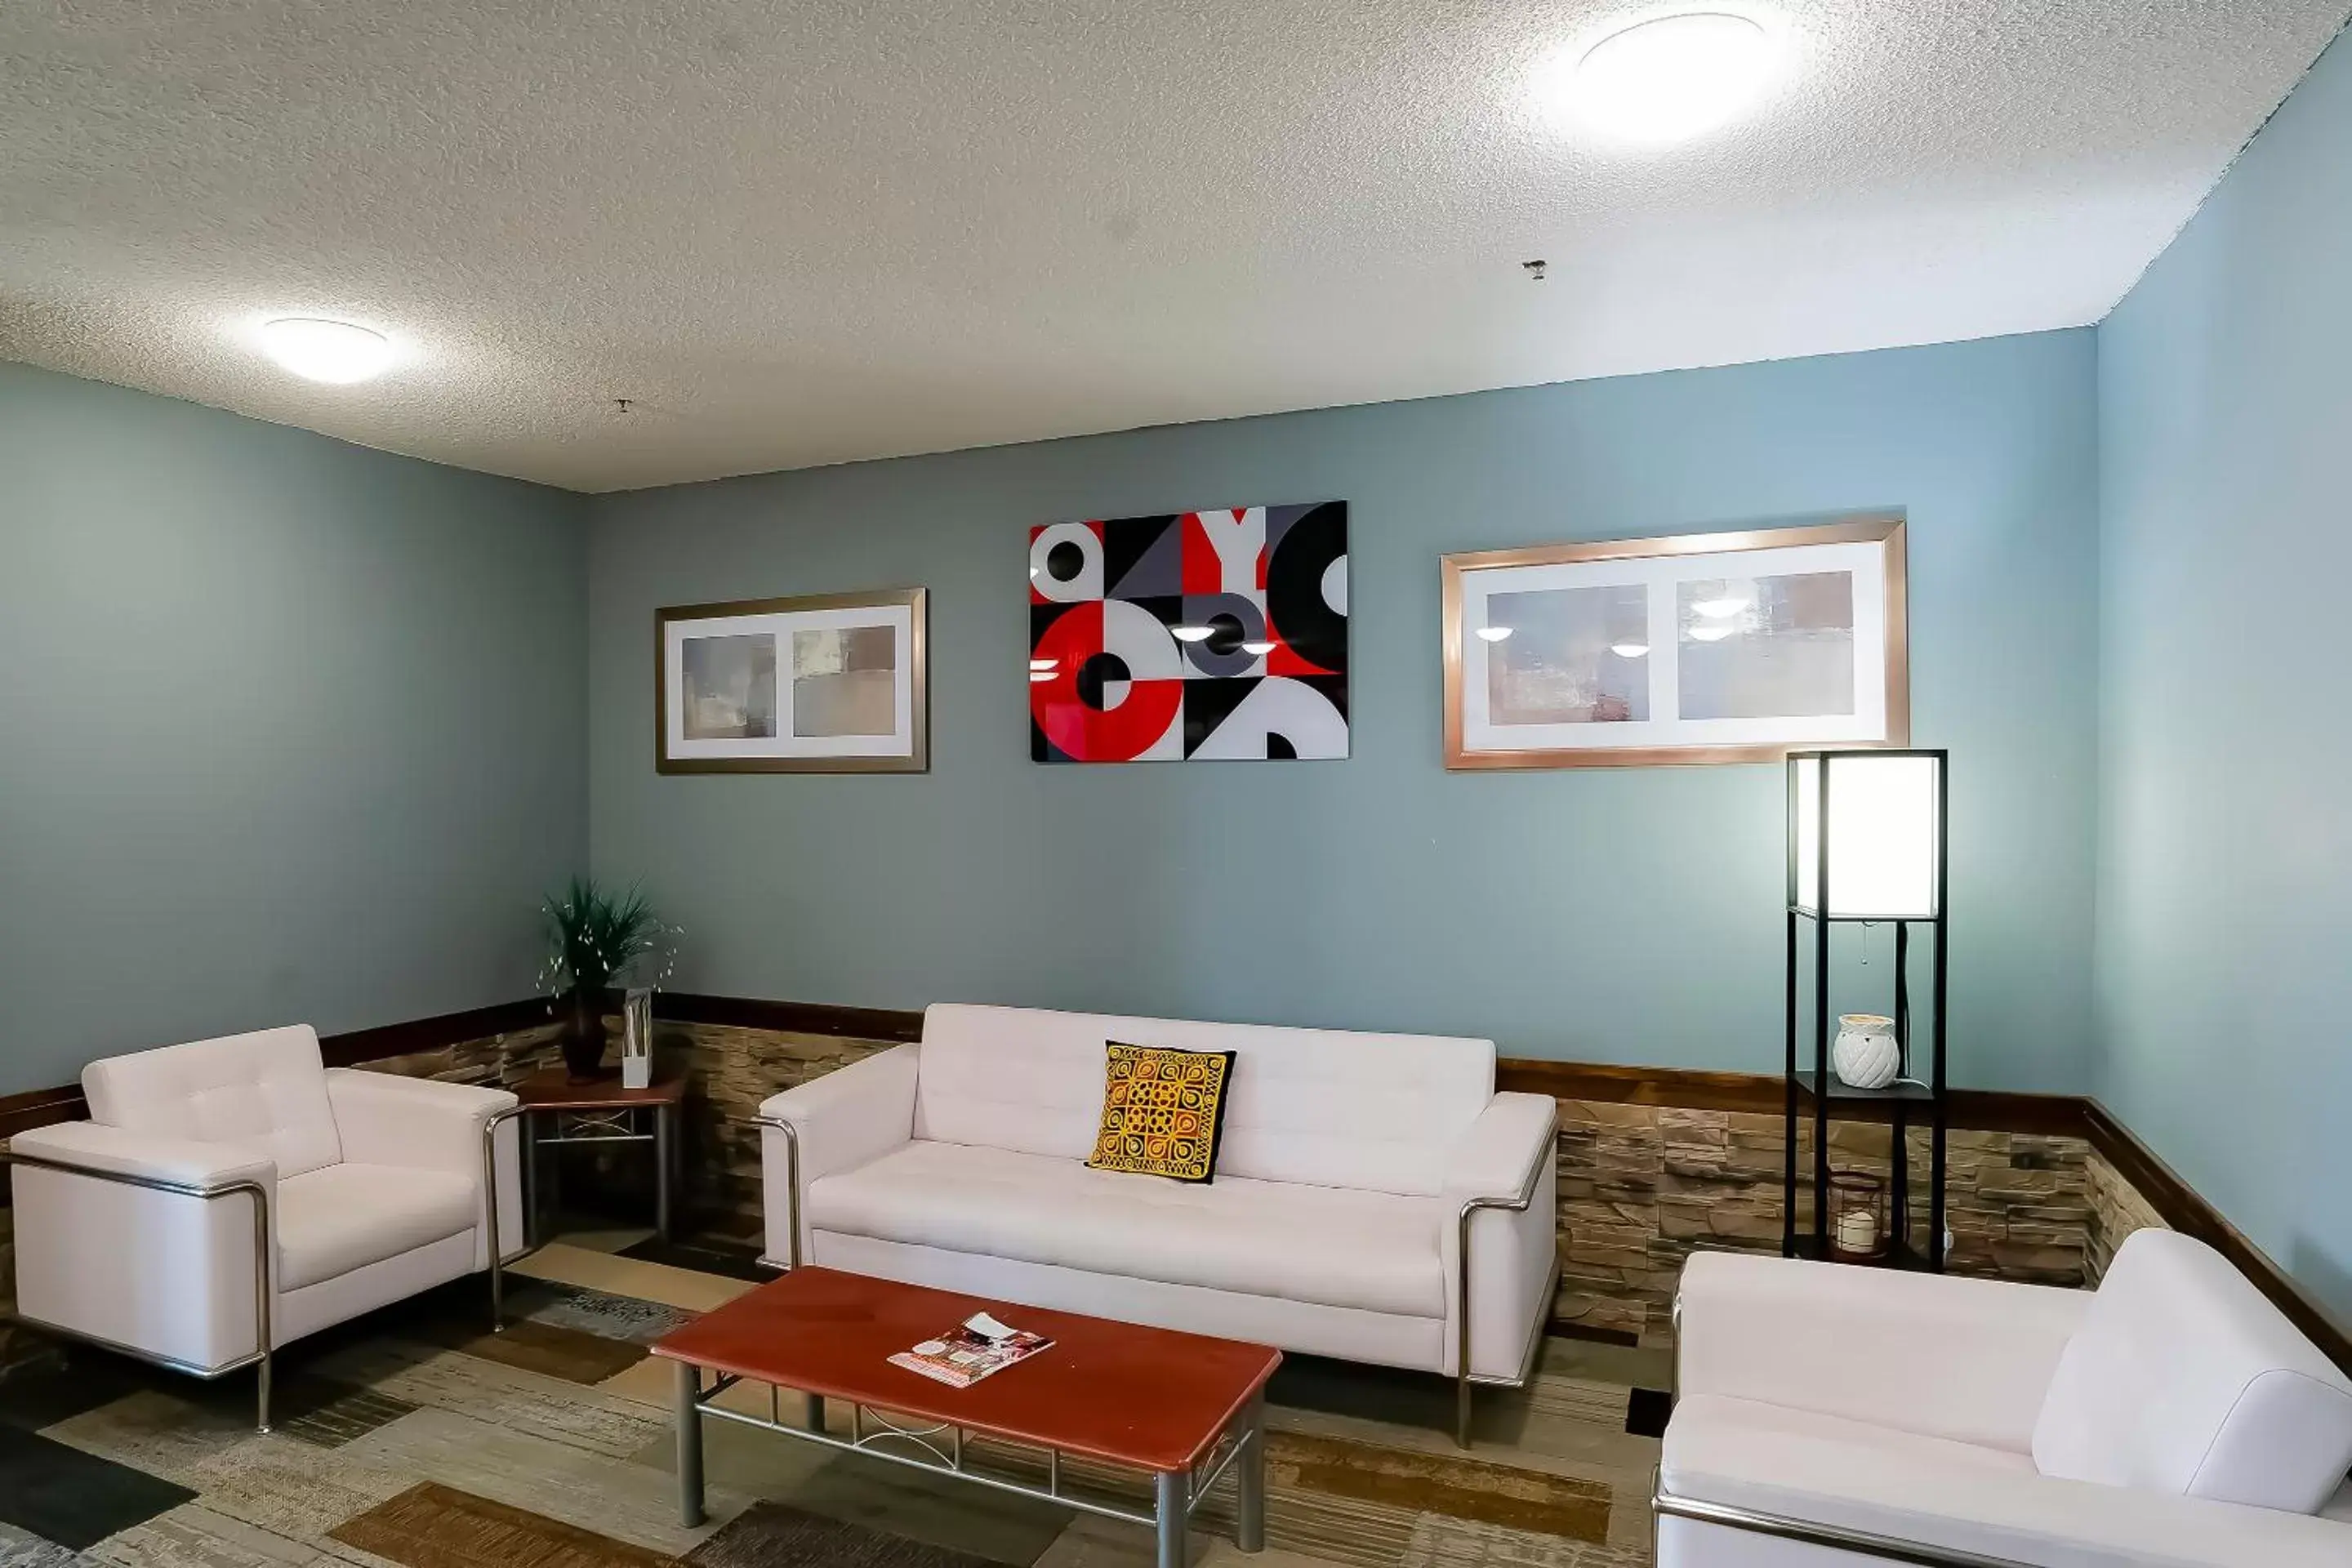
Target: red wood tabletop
[
  {"x": 554, "y": 1090},
  {"x": 1152, "y": 1398}
]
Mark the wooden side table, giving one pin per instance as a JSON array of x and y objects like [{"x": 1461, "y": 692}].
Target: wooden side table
[{"x": 600, "y": 1112}]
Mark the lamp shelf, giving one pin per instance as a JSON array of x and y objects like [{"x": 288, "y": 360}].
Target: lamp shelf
[
  {"x": 1902, "y": 1088},
  {"x": 1900, "y": 1256},
  {"x": 1805, "y": 914},
  {"x": 1868, "y": 828}
]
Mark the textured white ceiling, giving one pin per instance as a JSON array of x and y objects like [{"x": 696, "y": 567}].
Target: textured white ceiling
[{"x": 800, "y": 233}]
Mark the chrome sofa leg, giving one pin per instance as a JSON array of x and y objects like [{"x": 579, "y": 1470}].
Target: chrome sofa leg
[
  {"x": 792, "y": 1186},
  {"x": 490, "y": 1215},
  {"x": 265, "y": 1332}
]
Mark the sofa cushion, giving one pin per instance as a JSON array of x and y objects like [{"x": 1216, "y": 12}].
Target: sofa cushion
[
  {"x": 1163, "y": 1111},
  {"x": 341, "y": 1218},
  {"x": 2184, "y": 1379},
  {"x": 1718, "y": 1436},
  {"x": 266, "y": 1091},
  {"x": 1324, "y": 1246},
  {"x": 1944, "y": 1496},
  {"x": 1330, "y": 1107}
]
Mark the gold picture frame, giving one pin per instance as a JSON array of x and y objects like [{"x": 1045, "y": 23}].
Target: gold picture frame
[
  {"x": 1869, "y": 547},
  {"x": 815, "y": 683}
]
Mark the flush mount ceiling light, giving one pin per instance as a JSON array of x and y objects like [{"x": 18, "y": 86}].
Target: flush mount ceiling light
[
  {"x": 1662, "y": 80},
  {"x": 1495, "y": 633},
  {"x": 336, "y": 352},
  {"x": 1630, "y": 649}
]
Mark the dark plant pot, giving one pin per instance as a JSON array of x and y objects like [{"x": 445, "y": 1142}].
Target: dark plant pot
[{"x": 583, "y": 1042}]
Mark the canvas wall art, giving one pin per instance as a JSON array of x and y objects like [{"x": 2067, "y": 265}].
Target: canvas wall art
[
  {"x": 821, "y": 683},
  {"x": 1709, "y": 648},
  {"x": 1189, "y": 636}
]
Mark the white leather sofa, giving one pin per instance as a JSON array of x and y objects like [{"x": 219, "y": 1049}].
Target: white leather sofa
[
  {"x": 1375, "y": 1199},
  {"x": 229, "y": 1196},
  {"x": 1831, "y": 1416}
]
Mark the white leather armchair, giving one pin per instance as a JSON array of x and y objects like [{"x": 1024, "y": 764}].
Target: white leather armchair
[
  {"x": 1831, "y": 1416},
  {"x": 229, "y": 1196}
]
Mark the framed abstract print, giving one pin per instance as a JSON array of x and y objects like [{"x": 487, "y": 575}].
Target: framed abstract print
[
  {"x": 822, "y": 683},
  {"x": 1189, "y": 636},
  {"x": 1706, "y": 648}
]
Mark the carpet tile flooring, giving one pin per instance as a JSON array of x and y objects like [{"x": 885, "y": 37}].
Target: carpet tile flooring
[
  {"x": 57, "y": 1492},
  {"x": 418, "y": 1438},
  {"x": 774, "y": 1535},
  {"x": 726, "y": 1262},
  {"x": 434, "y": 1526},
  {"x": 1646, "y": 1412}
]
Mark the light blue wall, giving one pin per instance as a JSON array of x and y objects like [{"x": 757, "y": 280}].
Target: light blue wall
[
  {"x": 289, "y": 729},
  {"x": 2225, "y": 906},
  {"x": 1607, "y": 915}
]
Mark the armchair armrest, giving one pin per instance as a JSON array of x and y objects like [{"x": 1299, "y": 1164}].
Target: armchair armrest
[
  {"x": 153, "y": 1245},
  {"x": 388, "y": 1119},
  {"x": 845, "y": 1119},
  {"x": 1845, "y": 1341},
  {"x": 114, "y": 1151},
  {"x": 1731, "y": 1464},
  {"x": 1499, "y": 1246},
  {"x": 1498, "y": 1157}
]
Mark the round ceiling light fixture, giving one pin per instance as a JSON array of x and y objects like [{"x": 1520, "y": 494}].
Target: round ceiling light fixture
[
  {"x": 336, "y": 352},
  {"x": 1664, "y": 79}
]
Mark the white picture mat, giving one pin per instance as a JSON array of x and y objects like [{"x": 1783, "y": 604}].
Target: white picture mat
[
  {"x": 781, "y": 626},
  {"x": 1661, "y": 573}
]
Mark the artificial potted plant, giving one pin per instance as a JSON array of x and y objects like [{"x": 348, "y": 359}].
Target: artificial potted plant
[{"x": 595, "y": 938}]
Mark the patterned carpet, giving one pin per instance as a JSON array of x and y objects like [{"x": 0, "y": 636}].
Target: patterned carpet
[{"x": 416, "y": 1438}]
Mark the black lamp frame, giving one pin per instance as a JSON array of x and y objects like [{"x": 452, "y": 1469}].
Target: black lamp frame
[{"x": 1820, "y": 1086}]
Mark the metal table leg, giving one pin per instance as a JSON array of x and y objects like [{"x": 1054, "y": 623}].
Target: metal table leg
[
  {"x": 1172, "y": 1512},
  {"x": 1249, "y": 1481},
  {"x": 527, "y": 1157},
  {"x": 689, "y": 1406},
  {"x": 554, "y": 1174},
  {"x": 664, "y": 1149}
]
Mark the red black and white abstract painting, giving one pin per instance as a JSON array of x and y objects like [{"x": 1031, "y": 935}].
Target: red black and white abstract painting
[{"x": 1191, "y": 637}]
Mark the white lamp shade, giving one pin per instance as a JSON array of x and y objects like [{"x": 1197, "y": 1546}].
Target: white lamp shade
[{"x": 1884, "y": 812}]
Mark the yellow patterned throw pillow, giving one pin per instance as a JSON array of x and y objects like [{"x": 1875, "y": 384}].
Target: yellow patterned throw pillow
[{"x": 1162, "y": 1112}]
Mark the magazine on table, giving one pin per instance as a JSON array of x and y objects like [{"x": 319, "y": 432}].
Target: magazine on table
[{"x": 978, "y": 1347}]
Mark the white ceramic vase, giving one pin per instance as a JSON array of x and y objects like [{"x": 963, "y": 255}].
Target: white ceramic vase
[{"x": 1867, "y": 1054}]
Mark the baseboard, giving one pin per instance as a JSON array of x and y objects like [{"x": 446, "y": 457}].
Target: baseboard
[
  {"x": 2184, "y": 1210},
  {"x": 361, "y": 1046},
  {"x": 41, "y": 1108},
  {"x": 46, "y": 1107},
  {"x": 1693, "y": 1088},
  {"x": 790, "y": 1017}
]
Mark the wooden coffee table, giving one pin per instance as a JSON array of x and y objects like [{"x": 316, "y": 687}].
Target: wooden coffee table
[{"x": 1179, "y": 1407}]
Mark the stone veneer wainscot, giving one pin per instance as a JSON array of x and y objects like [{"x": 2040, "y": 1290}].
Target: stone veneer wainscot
[{"x": 1641, "y": 1187}]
